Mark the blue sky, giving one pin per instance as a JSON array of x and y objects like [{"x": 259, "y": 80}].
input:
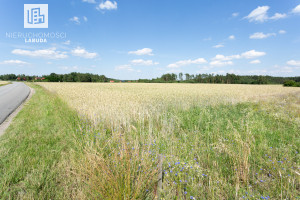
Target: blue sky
[{"x": 131, "y": 39}]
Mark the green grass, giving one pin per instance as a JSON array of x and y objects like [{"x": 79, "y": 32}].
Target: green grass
[
  {"x": 34, "y": 151},
  {"x": 212, "y": 152}
]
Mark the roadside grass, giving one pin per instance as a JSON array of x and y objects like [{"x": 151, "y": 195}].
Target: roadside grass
[{"x": 34, "y": 151}]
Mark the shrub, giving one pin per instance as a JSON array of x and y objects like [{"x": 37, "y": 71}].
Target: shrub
[{"x": 291, "y": 83}]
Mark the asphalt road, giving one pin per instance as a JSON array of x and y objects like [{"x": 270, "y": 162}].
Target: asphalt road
[{"x": 11, "y": 97}]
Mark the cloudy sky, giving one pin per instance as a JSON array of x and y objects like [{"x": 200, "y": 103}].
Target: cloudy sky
[{"x": 131, "y": 39}]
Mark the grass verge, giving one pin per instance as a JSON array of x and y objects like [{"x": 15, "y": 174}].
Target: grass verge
[{"x": 34, "y": 151}]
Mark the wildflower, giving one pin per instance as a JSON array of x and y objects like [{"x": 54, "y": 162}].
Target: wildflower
[{"x": 185, "y": 192}]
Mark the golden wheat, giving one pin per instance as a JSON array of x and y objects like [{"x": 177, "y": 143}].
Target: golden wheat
[
  {"x": 3, "y": 82},
  {"x": 122, "y": 103}
]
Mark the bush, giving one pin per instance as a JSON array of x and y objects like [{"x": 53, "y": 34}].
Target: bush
[{"x": 291, "y": 83}]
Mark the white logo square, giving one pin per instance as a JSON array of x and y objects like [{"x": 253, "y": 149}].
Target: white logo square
[{"x": 35, "y": 15}]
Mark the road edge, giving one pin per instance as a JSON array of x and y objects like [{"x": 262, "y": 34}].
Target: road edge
[{"x": 5, "y": 124}]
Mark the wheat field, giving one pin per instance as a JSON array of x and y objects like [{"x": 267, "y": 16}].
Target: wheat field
[
  {"x": 120, "y": 103},
  {"x": 212, "y": 141},
  {"x": 3, "y": 82}
]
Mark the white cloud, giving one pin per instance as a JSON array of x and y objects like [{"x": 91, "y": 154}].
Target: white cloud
[
  {"x": 252, "y": 54},
  {"x": 141, "y": 52},
  {"x": 278, "y": 16},
  {"x": 108, "y": 5},
  {"x": 81, "y": 52},
  {"x": 68, "y": 42},
  {"x": 207, "y": 39},
  {"x": 255, "y": 62},
  {"x": 231, "y": 37},
  {"x": 89, "y": 1},
  {"x": 143, "y": 62},
  {"x": 75, "y": 20},
  {"x": 67, "y": 68},
  {"x": 220, "y": 60},
  {"x": 235, "y": 14},
  {"x": 296, "y": 10},
  {"x": 220, "y": 63},
  {"x": 50, "y": 53},
  {"x": 187, "y": 62},
  {"x": 293, "y": 63},
  {"x": 259, "y": 14},
  {"x": 14, "y": 62},
  {"x": 126, "y": 68},
  {"x": 218, "y": 46},
  {"x": 282, "y": 32},
  {"x": 283, "y": 69},
  {"x": 85, "y": 18},
  {"x": 260, "y": 35},
  {"x": 220, "y": 57}
]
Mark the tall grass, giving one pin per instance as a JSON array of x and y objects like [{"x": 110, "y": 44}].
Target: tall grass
[
  {"x": 215, "y": 152},
  {"x": 35, "y": 151},
  {"x": 119, "y": 172},
  {"x": 210, "y": 150}
]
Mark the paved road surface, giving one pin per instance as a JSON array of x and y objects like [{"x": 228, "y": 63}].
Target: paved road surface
[{"x": 11, "y": 97}]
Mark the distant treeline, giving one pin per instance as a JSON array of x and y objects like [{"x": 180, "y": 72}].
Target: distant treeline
[
  {"x": 165, "y": 78},
  {"x": 72, "y": 77},
  {"x": 225, "y": 79}
]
